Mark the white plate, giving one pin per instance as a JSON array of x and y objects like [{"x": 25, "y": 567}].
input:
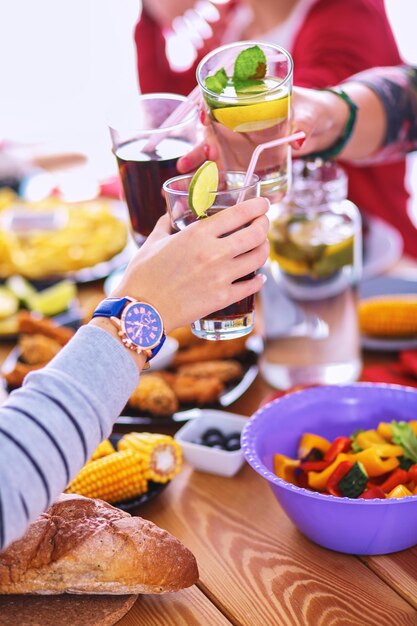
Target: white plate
[
  {"x": 383, "y": 248},
  {"x": 384, "y": 286}
]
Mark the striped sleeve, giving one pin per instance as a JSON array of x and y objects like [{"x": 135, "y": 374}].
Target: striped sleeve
[{"x": 50, "y": 427}]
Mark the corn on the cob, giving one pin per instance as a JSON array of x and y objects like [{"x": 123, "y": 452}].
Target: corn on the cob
[
  {"x": 118, "y": 476},
  {"x": 160, "y": 454},
  {"x": 103, "y": 449},
  {"x": 393, "y": 316}
]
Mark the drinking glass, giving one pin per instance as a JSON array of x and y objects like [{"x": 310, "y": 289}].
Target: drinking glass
[
  {"x": 242, "y": 117},
  {"x": 237, "y": 319},
  {"x": 147, "y": 153}
]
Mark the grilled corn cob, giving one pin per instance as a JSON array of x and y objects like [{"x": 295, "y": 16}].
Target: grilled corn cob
[
  {"x": 115, "y": 477},
  {"x": 393, "y": 316},
  {"x": 103, "y": 449},
  {"x": 160, "y": 454}
]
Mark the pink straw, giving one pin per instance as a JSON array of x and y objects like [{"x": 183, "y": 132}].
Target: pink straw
[{"x": 264, "y": 146}]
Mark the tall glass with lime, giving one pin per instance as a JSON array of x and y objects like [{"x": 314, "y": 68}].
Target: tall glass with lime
[
  {"x": 247, "y": 87},
  {"x": 193, "y": 197}
]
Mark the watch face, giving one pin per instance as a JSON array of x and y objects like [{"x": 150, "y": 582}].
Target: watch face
[{"x": 142, "y": 325}]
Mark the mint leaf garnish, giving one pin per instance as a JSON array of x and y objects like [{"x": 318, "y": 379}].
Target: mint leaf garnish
[
  {"x": 403, "y": 435},
  {"x": 217, "y": 82},
  {"x": 249, "y": 64}
]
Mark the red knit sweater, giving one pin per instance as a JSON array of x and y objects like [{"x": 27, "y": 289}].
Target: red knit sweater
[{"x": 337, "y": 39}]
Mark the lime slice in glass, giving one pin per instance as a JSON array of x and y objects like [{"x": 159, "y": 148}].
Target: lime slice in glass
[{"x": 203, "y": 187}]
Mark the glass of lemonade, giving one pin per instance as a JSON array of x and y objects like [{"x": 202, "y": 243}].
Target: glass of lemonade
[
  {"x": 247, "y": 88},
  {"x": 147, "y": 153},
  {"x": 237, "y": 319}
]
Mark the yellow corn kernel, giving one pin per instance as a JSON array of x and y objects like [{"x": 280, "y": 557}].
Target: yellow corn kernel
[
  {"x": 103, "y": 449},
  {"x": 115, "y": 477},
  {"x": 161, "y": 455},
  {"x": 389, "y": 316}
]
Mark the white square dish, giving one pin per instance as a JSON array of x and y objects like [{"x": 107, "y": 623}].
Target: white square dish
[{"x": 205, "y": 458}]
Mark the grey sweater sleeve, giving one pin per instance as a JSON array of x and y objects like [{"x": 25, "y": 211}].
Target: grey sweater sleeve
[{"x": 50, "y": 427}]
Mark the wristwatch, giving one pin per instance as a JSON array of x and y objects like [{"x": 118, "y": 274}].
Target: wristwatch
[{"x": 139, "y": 324}]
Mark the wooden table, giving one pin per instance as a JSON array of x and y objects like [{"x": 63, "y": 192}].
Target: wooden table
[{"x": 256, "y": 569}]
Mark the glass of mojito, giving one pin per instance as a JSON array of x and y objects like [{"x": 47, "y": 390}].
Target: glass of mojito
[
  {"x": 183, "y": 198},
  {"x": 247, "y": 88}
]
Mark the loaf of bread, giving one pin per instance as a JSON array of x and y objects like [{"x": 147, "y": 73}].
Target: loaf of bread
[{"x": 87, "y": 546}]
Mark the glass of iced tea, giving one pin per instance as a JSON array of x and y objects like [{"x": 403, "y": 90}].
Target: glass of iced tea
[
  {"x": 247, "y": 89},
  {"x": 147, "y": 153},
  {"x": 237, "y": 319}
]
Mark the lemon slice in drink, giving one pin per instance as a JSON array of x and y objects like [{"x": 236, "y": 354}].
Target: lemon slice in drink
[
  {"x": 252, "y": 117},
  {"x": 203, "y": 186}
]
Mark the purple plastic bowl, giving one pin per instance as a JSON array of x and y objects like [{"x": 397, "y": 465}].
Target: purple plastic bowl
[{"x": 341, "y": 524}]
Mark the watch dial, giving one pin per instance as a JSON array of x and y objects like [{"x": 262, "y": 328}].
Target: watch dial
[{"x": 143, "y": 325}]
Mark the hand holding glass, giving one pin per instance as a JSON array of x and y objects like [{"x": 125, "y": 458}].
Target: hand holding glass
[{"x": 237, "y": 319}]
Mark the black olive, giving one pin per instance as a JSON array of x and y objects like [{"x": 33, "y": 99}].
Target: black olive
[
  {"x": 212, "y": 431},
  {"x": 213, "y": 440},
  {"x": 232, "y": 442}
]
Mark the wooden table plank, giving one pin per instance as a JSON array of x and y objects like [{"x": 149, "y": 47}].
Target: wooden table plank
[
  {"x": 258, "y": 568},
  {"x": 185, "y": 608},
  {"x": 399, "y": 571}
]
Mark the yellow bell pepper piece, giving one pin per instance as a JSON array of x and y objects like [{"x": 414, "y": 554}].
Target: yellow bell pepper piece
[
  {"x": 318, "y": 480},
  {"x": 372, "y": 462},
  {"x": 369, "y": 438},
  {"x": 384, "y": 429},
  {"x": 284, "y": 467},
  {"x": 400, "y": 491},
  {"x": 372, "y": 439},
  {"x": 309, "y": 441}
]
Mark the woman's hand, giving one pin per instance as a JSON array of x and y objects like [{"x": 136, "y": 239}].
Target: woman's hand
[
  {"x": 189, "y": 274},
  {"x": 322, "y": 115}
]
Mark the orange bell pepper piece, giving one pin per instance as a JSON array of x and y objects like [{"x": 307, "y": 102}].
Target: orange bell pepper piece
[
  {"x": 309, "y": 441},
  {"x": 369, "y": 438},
  {"x": 372, "y": 462},
  {"x": 284, "y": 467}
]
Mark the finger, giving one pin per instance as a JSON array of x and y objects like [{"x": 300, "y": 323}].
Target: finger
[
  {"x": 250, "y": 261},
  {"x": 245, "y": 288},
  {"x": 192, "y": 159},
  {"x": 248, "y": 238},
  {"x": 237, "y": 216}
]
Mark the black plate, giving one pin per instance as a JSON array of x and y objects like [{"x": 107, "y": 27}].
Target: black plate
[
  {"x": 154, "y": 489},
  {"x": 233, "y": 391}
]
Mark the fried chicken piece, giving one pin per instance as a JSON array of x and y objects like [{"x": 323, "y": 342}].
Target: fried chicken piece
[
  {"x": 31, "y": 325},
  {"x": 38, "y": 349},
  {"x": 16, "y": 376},
  {"x": 225, "y": 371},
  {"x": 191, "y": 390},
  {"x": 210, "y": 350},
  {"x": 184, "y": 336},
  {"x": 154, "y": 395}
]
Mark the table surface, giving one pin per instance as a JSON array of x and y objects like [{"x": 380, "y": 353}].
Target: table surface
[{"x": 256, "y": 568}]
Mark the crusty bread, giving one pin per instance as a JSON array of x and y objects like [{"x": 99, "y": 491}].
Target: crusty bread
[{"x": 82, "y": 545}]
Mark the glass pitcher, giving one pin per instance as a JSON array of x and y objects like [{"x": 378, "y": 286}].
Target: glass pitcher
[{"x": 310, "y": 304}]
